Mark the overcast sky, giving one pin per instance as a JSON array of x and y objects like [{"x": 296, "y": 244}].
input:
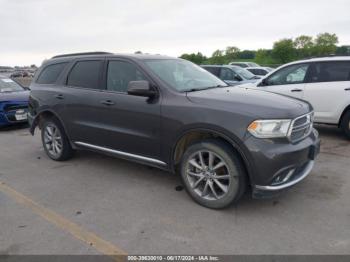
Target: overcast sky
[{"x": 32, "y": 30}]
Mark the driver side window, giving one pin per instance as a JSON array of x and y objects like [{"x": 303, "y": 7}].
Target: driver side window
[{"x": 294, "y": 74}]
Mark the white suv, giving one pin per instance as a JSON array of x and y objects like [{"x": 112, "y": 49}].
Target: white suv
[{"x": 324, "y": 82}]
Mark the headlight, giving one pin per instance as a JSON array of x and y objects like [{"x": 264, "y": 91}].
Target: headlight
[{"x": 270, "y": 128}]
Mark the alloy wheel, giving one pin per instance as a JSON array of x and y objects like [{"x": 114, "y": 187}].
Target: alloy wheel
[
  {"x": 208, "y": 175},
  {"x": 53, "y": 140}
]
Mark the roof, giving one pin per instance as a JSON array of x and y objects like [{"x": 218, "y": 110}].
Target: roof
[{"x": 106, "y": 54}]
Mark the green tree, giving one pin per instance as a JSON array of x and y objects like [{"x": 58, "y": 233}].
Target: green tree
[
  {"x": 326, "y": 44},
  {"x": 304, "y": 45},
  {"x": 198, "y": 58},
  {"x": 343, "y": 50},
  {"x": 231, "y": 53},
  {"x": 247, "y": 54},
  {"x": 217, "y": 58},
  {"x": 264, "y": 57},
  {"x": 284, "y": 51}
]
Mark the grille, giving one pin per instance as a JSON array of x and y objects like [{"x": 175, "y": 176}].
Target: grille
[
  {"x": 301, "y": 127},
  {"x": 9, "y": 108}
]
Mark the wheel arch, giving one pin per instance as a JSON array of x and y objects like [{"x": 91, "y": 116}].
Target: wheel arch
[
  {"x": 44, "y": 114},
  {"x": 190, "y": 135},
  {"x": 342, "y": 115}
]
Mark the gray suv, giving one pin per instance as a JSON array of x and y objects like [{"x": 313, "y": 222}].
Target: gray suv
[{"x": 169, "y": 113}]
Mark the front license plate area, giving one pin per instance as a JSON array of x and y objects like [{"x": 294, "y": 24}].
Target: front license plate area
[{"x": 21, "y": 116}]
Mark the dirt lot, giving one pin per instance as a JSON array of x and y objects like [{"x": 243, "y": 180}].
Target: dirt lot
[{"x": 96, "y": 204}]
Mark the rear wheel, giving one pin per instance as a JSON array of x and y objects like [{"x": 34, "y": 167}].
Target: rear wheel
[
  {"x": 213, "y": 174},
  {"x": 345, "y": 124},
  {"x": 55, "y": 141}
]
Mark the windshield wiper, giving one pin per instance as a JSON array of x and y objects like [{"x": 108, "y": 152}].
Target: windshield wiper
[{"x": 206, "y": 88}]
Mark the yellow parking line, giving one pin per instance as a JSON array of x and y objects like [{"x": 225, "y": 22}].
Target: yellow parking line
[{"x": 78, "y": 232}]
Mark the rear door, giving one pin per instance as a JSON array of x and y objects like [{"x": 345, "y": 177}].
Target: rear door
[
  {"x": 328, "y": 90},
  {"x": 81, "y": 98},
  {"x": 288, "y": 80}
]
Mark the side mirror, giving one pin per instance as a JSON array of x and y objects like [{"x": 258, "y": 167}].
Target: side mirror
[
  {"x": 141, "y": 88},
  {"x": 263, "y": 82},
  {"x": 237, "y": 78}
]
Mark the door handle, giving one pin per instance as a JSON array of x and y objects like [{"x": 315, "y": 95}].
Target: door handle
[
  {"x": 59, "y": 96},
  {"x": 296, "y": 90},
  {"x": 107, "y": 102},
  {"x": 347, "y": 89}
]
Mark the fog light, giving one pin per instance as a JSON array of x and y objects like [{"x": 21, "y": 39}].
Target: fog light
[{"x": 283, "y": 178}]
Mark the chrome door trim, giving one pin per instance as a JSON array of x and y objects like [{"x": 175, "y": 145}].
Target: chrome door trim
[{"x": 121, "y": 153}]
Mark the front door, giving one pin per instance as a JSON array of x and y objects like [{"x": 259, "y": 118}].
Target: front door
[
  {"x": 289, "y": 80},
  {"x": 129, "y": 124}
]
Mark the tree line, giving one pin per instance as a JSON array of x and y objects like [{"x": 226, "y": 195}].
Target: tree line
[{"x": 283, "y": 51}]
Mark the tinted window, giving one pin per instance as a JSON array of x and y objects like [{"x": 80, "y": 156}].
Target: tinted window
[
  {"x": 85, "y": 74},
  {"x": 213, "y": 70},
  {"x": 226, "y": 74},
  {"x": 294, "y": 74},
  {"x": 50, "y": 74},
  {"x": 120, "y": 74},
  {"x": 330, "y": 72}
]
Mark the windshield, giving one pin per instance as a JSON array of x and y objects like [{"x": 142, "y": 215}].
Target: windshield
[
  {"x": 8, "y": 85},
  {"x": 244, "y": 73},
  {"x": 183, "y": 75}
]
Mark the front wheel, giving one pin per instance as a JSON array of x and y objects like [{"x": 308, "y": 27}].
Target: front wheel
[
  {"x": 213, "y": 174},
  {"x": 345, "y": 124}
]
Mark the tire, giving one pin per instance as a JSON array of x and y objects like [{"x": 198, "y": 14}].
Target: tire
[
  {"x": 345, "y": 124},
  {"x": 56, "y": 144},
  {"x": 215, "y": 185}
]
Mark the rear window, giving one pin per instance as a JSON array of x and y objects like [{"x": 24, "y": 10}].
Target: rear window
[
  {"x": 50, "y": 74},
  {"x": 331, "y": 72},
  {"x": 85, "y": 74}
]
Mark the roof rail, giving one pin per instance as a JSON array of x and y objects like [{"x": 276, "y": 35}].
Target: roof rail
[
  {"x": 79, "y": 54},
  {"x": 325, "y": 56}
]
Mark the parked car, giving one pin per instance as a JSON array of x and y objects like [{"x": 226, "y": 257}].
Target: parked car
[
  {"x": 13, "y": 102},
  {"x": 172, "y": 114},
  {"x": 244, "y": 64},
  {"x": 259, "y": 71},
  {"x": 232, "y": 75},
  {"x": 324, "y": 82}
]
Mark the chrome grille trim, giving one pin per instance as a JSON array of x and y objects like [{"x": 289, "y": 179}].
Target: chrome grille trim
[{"x": 304, "y": 126}]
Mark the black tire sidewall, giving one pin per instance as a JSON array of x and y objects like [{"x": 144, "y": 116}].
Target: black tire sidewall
[
  {"x": 235, "y": 167},
  {"x": 345, "y": 124}
]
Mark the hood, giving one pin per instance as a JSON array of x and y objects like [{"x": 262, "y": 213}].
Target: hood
[
  {"x": 243, "y": 82},
  {"x": 252, "y": 102},
  {"x": 22, "y": 96}
]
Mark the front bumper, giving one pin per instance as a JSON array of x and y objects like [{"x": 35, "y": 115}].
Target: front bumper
[
  {"x": 9, "y": 110},
  {"x": 278, "y": 165}
]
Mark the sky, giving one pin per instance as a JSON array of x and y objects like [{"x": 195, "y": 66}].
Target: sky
[{"x": 34, "y": 30}]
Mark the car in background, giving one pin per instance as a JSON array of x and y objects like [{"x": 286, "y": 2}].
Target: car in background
[
  {"x": 13, "y": 102},
  {"x": 260, "y": 71},
  {"x": 232, "y": 75},
  {"x": 244, "y": 64},
  {"x": 324, "y": 82}
]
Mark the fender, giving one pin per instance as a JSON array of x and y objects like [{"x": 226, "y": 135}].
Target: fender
[
  {"x": 232, "y": 139},
  {"x": 36, "y": 120}
]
